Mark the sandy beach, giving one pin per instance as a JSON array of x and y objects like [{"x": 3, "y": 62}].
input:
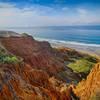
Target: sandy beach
[
  {"x": 82, "y": 48},
  {"x": 92, "y": 49}
]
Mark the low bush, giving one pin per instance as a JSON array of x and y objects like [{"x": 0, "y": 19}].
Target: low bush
[
  {"x": 81, "y": 65},
  {"x": 11, "y": 59},
  {"x": 4, "y": 58}
]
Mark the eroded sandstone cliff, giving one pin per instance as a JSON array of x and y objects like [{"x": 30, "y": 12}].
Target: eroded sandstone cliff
[
  {"x": 89, "y": 89},
  {"x": 40, "y": 55},
  {"x": 33, "y": 70},
  {"x": 22, "y": 82},
  {"x": 27, "y": 70}
]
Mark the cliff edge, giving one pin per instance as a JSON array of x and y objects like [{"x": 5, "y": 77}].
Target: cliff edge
[{"x": 89, "y": 89}]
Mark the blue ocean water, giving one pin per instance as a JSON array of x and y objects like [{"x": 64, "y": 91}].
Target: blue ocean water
[{"x": 80, "y": 34}]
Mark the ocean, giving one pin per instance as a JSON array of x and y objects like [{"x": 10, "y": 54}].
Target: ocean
[{"x": 85, "y": 35}]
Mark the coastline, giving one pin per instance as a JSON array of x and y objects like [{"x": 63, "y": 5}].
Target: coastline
[{"x": 92, "y": 49}]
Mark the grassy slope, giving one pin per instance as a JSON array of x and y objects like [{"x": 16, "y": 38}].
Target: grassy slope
[{"x": 83, "y": 64}]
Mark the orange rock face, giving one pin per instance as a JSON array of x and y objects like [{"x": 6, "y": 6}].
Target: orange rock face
[
  {"x": 90, "y": 87},
  {"x": 22, "y": 82}
]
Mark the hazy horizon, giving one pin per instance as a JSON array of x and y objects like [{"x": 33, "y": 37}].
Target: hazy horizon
[{"x": 81, "y": 25}]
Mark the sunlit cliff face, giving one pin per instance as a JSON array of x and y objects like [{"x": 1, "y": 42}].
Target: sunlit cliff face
[{"x": 89, "y": 89}]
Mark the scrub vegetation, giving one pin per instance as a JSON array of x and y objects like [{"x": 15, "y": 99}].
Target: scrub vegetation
[{"x": 83, "y": 64}]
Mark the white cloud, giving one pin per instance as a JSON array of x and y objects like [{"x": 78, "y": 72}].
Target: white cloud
[
  {"x": 88, "y": 16},
  {"x": 12, "y": 16},
  {"x": 6, "y": 5},
  {"x": 82, "y": 11}
]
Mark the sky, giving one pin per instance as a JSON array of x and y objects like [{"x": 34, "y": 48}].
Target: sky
[{"x": 29, "y": 13}]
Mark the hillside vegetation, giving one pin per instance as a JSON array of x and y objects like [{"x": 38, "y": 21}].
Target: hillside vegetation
[
  {"x": 83, "y": 64},
  {"x": 6, "y": 57}
]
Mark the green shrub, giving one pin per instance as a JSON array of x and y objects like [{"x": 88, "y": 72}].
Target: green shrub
[
  {"x": 81, "y": 65},
  {"x": 11, "y": 59},
  {"x": 4, "y": 58}
]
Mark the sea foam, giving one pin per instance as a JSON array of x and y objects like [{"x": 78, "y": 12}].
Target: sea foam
[{"x": 66, "y": 42}]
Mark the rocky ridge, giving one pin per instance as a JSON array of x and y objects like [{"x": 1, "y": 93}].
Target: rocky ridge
[
  {"x": 89, "y": 89},
  {"x": 28, "y": 70},
  {"x": 20, "y": 81},
  {"x": 40, "y": 55}
]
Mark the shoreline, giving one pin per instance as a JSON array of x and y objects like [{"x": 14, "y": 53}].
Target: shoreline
[{"x": 92, "y": 49}]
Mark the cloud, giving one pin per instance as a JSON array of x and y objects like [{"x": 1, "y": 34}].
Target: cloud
[
  {"x": 88, "y": 16},
  {"x": 82, "y": 12},
  {"x": 6, "y": 5},
  {"x": 14, "y": 16}
]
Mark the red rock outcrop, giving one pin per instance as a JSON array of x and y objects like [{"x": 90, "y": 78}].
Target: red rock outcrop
[
  {"x": 89, "y": 88},
  {"x": 37, "y": 54},
  {"x": 36, "y": 77},
  {"x": 40, "y": 55},
  {"x": 22, "y": 82}
]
